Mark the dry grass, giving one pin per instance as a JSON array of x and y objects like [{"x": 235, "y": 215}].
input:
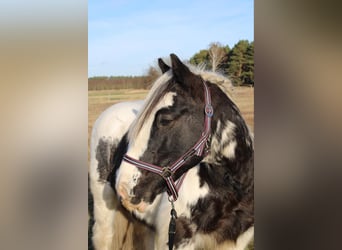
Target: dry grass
[
  {"x": 244, "y": 98},
  {"x": 99, "y": 100}
]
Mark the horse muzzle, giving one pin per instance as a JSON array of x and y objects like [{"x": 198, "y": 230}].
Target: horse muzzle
[{"x": 127, "y": 199}]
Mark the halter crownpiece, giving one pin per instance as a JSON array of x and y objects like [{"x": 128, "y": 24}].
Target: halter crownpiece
[{"x": 198, "y": 149}]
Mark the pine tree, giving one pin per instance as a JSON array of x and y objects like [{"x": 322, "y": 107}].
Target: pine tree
[
  {"x": 247, "y": 76},
  {"x": 201, "y": 58},
  {"x": 224, "y": 63},
  {"x": 236, "y": 60}
]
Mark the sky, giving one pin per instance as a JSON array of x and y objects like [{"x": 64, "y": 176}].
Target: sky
[{"x": 125, "y": 37}]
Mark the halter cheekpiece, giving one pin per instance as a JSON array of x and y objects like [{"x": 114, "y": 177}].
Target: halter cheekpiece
[{"x": 198, "y": 149}]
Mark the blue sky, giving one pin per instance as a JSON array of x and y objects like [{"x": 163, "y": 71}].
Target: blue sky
[{"x": 125, "y": 37}]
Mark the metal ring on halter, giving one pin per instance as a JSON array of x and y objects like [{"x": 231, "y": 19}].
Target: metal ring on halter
[
  {"x": 170, "y": 198},
  {"x": 166, "y": 172},
  {"x": 209, "y": 110}
]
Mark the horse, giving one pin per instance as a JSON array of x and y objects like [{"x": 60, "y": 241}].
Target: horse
[{"x": 183, "y": 167}]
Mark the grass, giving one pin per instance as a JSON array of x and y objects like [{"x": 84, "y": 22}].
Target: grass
[
  {"x": 244, "y": 99},
  {"x": 99, "y": 100}
]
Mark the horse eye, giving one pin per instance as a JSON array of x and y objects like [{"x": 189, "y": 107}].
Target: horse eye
[{"x": 164, "y": 120}]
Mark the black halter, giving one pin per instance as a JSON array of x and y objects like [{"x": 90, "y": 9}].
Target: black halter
[{"x": 198, "y": 149}]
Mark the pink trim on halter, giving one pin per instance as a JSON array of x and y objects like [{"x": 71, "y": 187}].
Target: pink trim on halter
[{"x": 197, "y": 149}]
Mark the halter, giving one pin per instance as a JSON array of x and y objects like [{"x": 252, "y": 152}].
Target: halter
[{"x": 198, "y": 149}]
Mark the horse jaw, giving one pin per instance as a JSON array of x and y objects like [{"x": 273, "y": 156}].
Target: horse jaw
[{"x": 128, "y": 175}]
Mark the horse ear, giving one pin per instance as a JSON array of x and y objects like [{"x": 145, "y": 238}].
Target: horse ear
[
  {"x": 180, "y": 71},
  {"x": 163, "y": 66}
]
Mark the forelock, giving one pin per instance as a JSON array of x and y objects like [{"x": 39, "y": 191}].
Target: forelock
[{"x": 158, "y": 90}]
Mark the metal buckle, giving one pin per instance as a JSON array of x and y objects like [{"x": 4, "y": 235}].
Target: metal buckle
[
  {"x": 209, "y": 110},
  {"x": 166, "y": 172}
]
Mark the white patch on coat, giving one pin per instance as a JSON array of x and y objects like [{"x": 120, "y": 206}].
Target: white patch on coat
[
  {"x": 244, "y": 239},
  {"x": 189, "y": 194},
  {"x": 149, "y": 215},
  {"x": 207, "y": 241},
  {"x": 229, "y": 150},
  {"x": 228, "y": 135},
  {"x": 137, "y": 146},
  {"x": 219, "y": 147}
]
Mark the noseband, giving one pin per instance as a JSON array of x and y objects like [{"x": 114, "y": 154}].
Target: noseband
[{"x": 198, "y": 149}]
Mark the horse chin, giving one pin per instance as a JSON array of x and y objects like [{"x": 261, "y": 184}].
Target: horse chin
[
  {"x": 126, "y": 201},
  {"x": 141, "y": 207}
]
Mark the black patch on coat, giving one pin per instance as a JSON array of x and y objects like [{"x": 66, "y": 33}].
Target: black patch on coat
[
  {"x": 91, "y": 219},
  {"x": 183, "y": 231},
  {"x": 104, "y": 153},
  {"x": 116, "y": 160}
]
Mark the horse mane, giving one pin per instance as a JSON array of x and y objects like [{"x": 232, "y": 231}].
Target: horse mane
[
  {"x": 214, "y": 77},
  {"x": 161, "y": 86}
]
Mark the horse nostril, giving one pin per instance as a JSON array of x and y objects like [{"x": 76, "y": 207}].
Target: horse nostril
[{"x": 135, "y": 200}]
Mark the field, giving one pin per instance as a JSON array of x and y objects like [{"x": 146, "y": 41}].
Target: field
[{"x": 99, "y": 100}]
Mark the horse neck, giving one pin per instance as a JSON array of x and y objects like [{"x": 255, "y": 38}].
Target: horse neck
[{"x": 231, "y": 155}]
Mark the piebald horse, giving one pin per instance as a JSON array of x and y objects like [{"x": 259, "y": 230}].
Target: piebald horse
[{"x": 181, "y": 162}]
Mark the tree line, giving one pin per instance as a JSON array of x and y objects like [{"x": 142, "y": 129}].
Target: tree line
[
  {"x": 237, "y": 63},
  {"x": 118, "y": 82}
]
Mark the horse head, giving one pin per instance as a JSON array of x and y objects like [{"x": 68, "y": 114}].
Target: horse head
[{"x": 185, "y": 120}]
